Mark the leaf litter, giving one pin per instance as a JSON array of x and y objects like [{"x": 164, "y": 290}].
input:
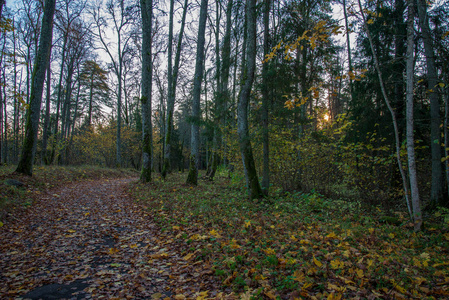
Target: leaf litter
[{"x": 92, "y": 241}]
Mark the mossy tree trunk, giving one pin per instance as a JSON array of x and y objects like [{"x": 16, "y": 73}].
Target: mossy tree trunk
[{"x": 25, "y": 165}]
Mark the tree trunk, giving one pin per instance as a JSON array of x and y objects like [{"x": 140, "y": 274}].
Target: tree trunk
[
  {"x": 58, "y": 99},
  {"x": 2, "y": 2},
  {"x": 348, "y": 44},
  {"x": 390, "y": 108},
  {"x": 192, "y": 177},
  {"x": 218, "y": 105},
  {"x": 416, "y": 205},
  {"x": 172, "y": 82},
  {"x": 146, "y": 7},
  {"x": 25, "y": 165},
  {"x": 436, "y": 194},
  {"x": 246, "y": 150},
  {"x": 265, "y": 102},
  {"x": 44, "y": 158}
]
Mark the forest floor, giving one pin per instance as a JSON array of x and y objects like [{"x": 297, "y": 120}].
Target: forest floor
[
  {"x": 93, "y": 234},
  {"x": 89, "y": 240}
]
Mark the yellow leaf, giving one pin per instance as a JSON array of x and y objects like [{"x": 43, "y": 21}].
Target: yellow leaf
[
  {"x": 1, "y": 224},
  {"x": 71, "y": 230},
  {"x": 188, "y": 256},
  {"x": 175, "y": 227},
  {"x": 359, "y": 273},
  {"x": 370, "y": 21},
  {"x": 337, "y": 264},
  {"x": 202, "y": 295},
  {"x": 299, "y": 276},
  {"x": 441, "y": 85},
  {"x": 247, "y": 224},
  {"x": 317, "y": 262},
  {"x": 270, "y": 295},
  {"x": 445, "y": 34},
  {"x": 331, "y": 235},
  {"x": 156, "y": 296},
  {"x": 400, "y": 289},
  {"x": 213, "y": 232},
  {"x": 269, "y": 251}
]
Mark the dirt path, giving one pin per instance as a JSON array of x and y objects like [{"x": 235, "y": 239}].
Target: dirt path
[{"x": 90, "y": 241}]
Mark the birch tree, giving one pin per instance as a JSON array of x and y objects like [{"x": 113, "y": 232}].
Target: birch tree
[{"x": 416, "y": 205}]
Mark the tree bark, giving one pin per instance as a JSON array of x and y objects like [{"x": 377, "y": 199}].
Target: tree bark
[
  {"x": 246, "y": 150},
  {"x": 348, "y": 44},
  {"x": 25, "y": 165},
  {"x": 146, "y": 8},
  {"x": 172, "y": 82},
  {"x": 2, "y": 2},
  {"x": 416, "y": 205},
  {"x": 44, "y": 158},
  {"x": 436, "y": 193},
  {"x": 192, "y": 177},
  {"x": 265, "y": 102}
]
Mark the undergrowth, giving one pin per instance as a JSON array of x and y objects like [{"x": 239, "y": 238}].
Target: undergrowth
[{"x": 296, "y": 245}]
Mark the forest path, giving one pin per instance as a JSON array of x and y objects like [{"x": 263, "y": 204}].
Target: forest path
[{"x": 89, "y": 240}]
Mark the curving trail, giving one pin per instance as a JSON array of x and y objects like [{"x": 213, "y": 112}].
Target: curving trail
[{"x": 89, "y": 240}]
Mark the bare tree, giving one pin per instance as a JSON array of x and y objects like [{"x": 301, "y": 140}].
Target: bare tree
[
  {"x": 192, "y": 177},
  {"x": 121, "y": 19},
  {"x": 173, "y": 72}
]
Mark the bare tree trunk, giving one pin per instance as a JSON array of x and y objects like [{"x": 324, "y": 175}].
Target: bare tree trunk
[
  {"x": 2, "y": 2},
  {"x": 416, "y": 205},
  {"x": 172, "y": 82},
  {"x": 265, "y": 102},
  {"x": 146, "y": 8},
  {"x": 192, "y": 177},
  {"x": 446, "y": 134},
  {"x": 44, "y": 158},
  {"x": 226, "y": 64},
  {"x": 390, "y": 108},
  {"x": 246, "y": 150},
  {"x": 218, "y": 101},
  {"x": 348, "y": 44},
  {"x": 25, "y": 165},
  {"x": 2, "y": 104},
  {"x": 58, "y": 99},
  {"x": 436, "y": 194}
]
